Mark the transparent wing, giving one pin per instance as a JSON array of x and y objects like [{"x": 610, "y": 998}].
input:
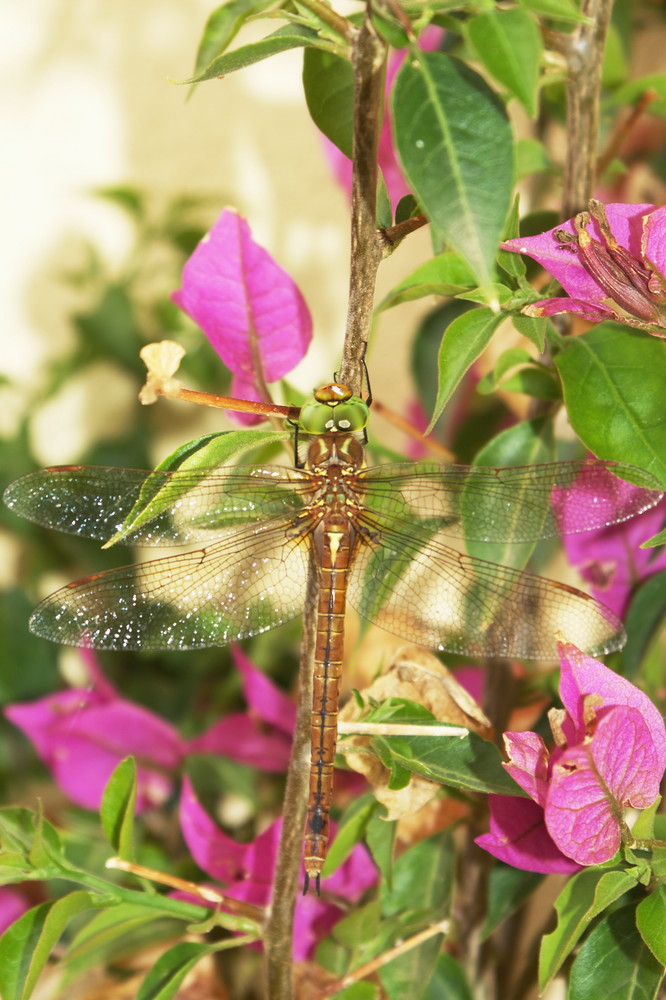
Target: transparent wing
[
  {"x": 154, "y": 508},
  {"x": 419, "y": 588},
  {"x": 519, "y": 504},
  {"x": 251, "y": 580}
]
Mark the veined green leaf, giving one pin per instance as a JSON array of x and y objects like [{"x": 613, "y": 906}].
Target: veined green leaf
[
  {"x": 651, "y": 922},
  {"x": 463, "y": 762},
  {"x": 615, "y": 962},
  {"x": 328, "y": 81},
  {"x": 26, "y": 945},
  {"x": 584, "y": 897},
  {"x": 291, "y": 36},
  {"x": 222, "y": 26},
  {"x": 117, "y": 808},
  {"x": 454, "y": 142},
  {"x": 207, "y": 452},
  {"x": 614, "y": 382},
  {"x": 509, "y": 45},
  {"x": 463, "y": 342},
  {"x": 444, "y": 274}
]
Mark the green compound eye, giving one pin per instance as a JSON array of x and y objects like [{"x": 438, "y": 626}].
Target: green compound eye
[{"x": 330, "y": 418}]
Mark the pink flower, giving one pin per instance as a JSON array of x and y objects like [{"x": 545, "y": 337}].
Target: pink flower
[
  {"x": 611, "y": 560},
  {"x": 248, "y": 307},
  {"x": 83, "y": 734},
  {"x": 610, "y": 753},
  {"x": 260, "y": 738},
  {"x": 246, "y": 872},
  {"x": 610, "y": 260}
]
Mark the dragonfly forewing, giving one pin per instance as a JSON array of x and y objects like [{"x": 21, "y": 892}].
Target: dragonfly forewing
[
  {"x": 515, "y": 504},
  {"x": 252, "y": 580},
  {"x": 156, "y": 508}
]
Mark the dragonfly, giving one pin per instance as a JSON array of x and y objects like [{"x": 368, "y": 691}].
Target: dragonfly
[{"x": 379, "y": 538}]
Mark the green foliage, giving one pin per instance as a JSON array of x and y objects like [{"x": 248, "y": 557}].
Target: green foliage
[
  {"x": 583, "y": 898},
  {"x": 454, "y": 139},
  {"x": 613, "y": 370},
  {"x": 117, "y": 809},
  {"x": 458, "y": 155},
  {"x": 616, "y": 961},
  {"x": 508, "y": 42}
]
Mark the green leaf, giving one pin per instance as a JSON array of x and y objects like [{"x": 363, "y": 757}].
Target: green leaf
[
  {"x": 658, "y": 539},
  {"x": 423, "y": 884},
  {"x": 169, "y": 971},
  {"x": 464, "y": 341},
  {"x": 508, "y": 43},
  {"x": 448, "y": 981},
  {"x": 328, "y": 81},
  {"x": 645, "y": 616},
  {"x": 651, "y": 922},
  {"x": 454, "y": 142},
  {"x": 213, "y": 450},
  {"x": 561, "y": 10},
  {"x": 26, "y": 945},
  {"x": 350, "y": 831},
  {"x": 444, "y": 274},
  {"x": 117, "y": 809},
  {"x": 461, "y": 762},
  {"x": 508, "y": 889},
  {"x": 643, "y": 828},
  {"x": 291, "y": 36},
  {"x": 584, "y": 897},
  {"x": 27, "y": 833},
  {"x": 222, "y": 26},
  {"x": 614, "y": 382},
  {"x": 358, "y": 991},
  {"x": 615, "y": 963},
  {"x": 207, "y": 452},
  {"x": 532, "y": 327},
  {"x": 532, "y": 379},
  {"x": 111, "y": 932},
  {"x": 380, "y": 837}
]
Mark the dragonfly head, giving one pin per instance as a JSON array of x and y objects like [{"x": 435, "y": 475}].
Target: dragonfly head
[{"x": 333, "y": 410}]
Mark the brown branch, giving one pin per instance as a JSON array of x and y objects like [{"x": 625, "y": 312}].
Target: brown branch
[
  {"x": 280, "y": 922},
  {"x": 367, "y": 248},
  {"x": 584, "y": 53},
  {"x": 394, "y": 234}
]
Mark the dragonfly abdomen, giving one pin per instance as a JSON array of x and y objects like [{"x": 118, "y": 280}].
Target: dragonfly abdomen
[{"x": 336, "y": 538}]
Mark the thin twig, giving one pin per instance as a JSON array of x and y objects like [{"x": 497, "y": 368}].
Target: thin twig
[
  {"x": 228, "y": 903},
  {"x": 367, "y": 247},
  {"x": 584, "y": 55},
  {"x": 393, "y": 234},
  {"x": 280, "y": 921}
]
